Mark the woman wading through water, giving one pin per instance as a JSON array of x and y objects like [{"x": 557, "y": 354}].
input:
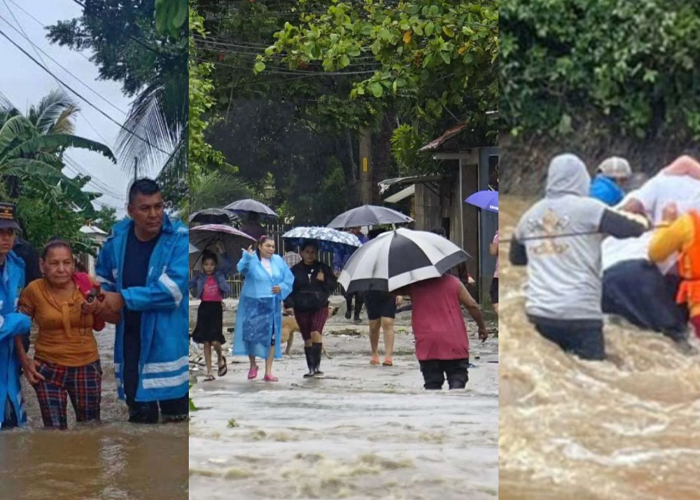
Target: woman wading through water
[
  {"x": 268, "y": 281},
  {"x": 314, "y": 283},
  {"x": 66, "y": 362}
]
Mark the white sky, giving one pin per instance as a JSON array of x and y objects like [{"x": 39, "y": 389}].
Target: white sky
[{"x": 24, "y": 83}]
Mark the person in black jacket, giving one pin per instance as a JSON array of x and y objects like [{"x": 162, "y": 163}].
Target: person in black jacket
[
  {"x": 314, "y": 282},
  {"x": 32, "y": 270}
]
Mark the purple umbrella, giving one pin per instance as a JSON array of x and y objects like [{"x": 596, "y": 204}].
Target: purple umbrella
[{"x": 486, "y": 200}]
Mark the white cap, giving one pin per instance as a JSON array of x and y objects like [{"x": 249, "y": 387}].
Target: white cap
[{"x": 615, "y": 167}]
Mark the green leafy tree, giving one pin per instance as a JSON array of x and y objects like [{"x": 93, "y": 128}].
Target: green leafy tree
[
  {"x": 629, "y": 68},
  {"x": 105, "y": 218},
  {"x": 152, "y": 67}
]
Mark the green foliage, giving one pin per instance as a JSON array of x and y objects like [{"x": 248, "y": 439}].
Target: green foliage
[
  {"x": 631, "y": 65},
  {"x": 405, "y": 144},
  {"x": 106, "y": 218},
  {"x": 201, "y": 154}
]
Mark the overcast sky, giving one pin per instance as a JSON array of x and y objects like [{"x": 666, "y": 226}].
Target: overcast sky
[{"x": 24, "y": 83}]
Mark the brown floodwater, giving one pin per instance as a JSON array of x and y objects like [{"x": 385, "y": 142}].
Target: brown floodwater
[
  {"x": 627, "y": 428},
  {"x": 113, "y": 460}
]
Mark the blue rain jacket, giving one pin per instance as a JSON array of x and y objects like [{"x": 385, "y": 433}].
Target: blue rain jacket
[
  {"x": 606, "y": 190},
  {"x": 13, "y": 323},
  {"x": 164, "y": 304},
  {"x": 259, "y": 313}
]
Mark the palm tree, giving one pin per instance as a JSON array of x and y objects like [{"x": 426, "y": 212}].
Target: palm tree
[
  {"x": 32, "y": 147},
  {"x": 212, "y": 189}
]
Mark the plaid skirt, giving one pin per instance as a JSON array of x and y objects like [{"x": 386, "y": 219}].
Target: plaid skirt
[
  {"x": 311, "y": 321},
  {"x": 83, "y": 384}
]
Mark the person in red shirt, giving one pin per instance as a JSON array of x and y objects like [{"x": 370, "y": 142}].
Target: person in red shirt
[{"x": 442, "y": 344}]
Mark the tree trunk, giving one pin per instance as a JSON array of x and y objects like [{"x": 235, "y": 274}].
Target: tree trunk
[{"x": 366, "y": 190}]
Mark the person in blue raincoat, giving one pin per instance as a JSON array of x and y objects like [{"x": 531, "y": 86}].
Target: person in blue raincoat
[
  {"x": 144, "y": 270},
  {"x": 608, "y": 184},
  {"x": 268, "y": 281},
  {"x": 12, "y": 323}
]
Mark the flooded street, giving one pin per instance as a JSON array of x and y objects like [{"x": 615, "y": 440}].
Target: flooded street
[
  {"x": 362, "y": 432},
  {"x": 624, "y": 429},
  {"x": 113, "y": 460}
]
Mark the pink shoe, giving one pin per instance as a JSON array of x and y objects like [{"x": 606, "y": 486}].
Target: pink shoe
[
  {"x": 253, "y": 373},
  {"x": 271, "y": 378}
]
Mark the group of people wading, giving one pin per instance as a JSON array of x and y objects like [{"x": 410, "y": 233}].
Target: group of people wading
[
  {"x": 595, "y": 250},
  {"x": 141, "y": 281}
]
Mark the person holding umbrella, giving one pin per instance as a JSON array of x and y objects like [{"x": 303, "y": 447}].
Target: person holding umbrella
[
  {"x": 416, "y": 264},
  {"x": 314, "y": 282},
  {"x": 268, "y": 281},
  {"x": 340, "y": 258}
]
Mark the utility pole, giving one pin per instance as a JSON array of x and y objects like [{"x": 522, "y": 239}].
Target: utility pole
[
  {"x": 366, "y": 166},
  {"x": 136, "y": 168}
]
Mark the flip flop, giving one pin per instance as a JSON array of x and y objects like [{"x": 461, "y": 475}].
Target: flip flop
[
  {"x": 209, "y": 378},
  {"x": 270, "y": 378},
  {"x": 223, "y": 369},
  {"x": 253, "y": 373},
  {"x": 374, "y": 361},
  {"x": 387, "y": 362}
]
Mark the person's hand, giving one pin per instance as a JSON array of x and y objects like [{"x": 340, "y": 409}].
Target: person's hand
[
  {"x": 483, "y": 334},
  {"x": 112, "y": 302},
  {"x": 220, "y": 248},
  {"x": 320, "y": 276},
  {"x": 31, "y": 373},
  {"x": 90, "y": 307},
  {"x": 250, "y": 250},
  {"x": 399, "y": 300},
  {"x": 470, "y": 280},
  {"x": 276, "y": 289},
  {"x": 337, "y": 273},
  {"x": 670, "y": 212},
  {"x": 289, "y": 311}
]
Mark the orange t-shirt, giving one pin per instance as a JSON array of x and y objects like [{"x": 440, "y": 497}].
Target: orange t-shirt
[{"x": 65, "y": 333}]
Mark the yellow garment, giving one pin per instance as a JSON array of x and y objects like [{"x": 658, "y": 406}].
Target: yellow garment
[
  {"x": 676, "y": 237},
  {"x": 65, "y": 332}
]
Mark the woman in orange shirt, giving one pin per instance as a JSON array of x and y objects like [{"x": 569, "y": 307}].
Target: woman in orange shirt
[{"x": 66, "y": 361}]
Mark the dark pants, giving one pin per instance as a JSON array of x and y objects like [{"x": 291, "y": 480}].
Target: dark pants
[
  {"x": 10, "y": 418},
  {"x": 435, "y": 371},
  {"x": 359, "y": 301},
  {"x": 583, "y": 338},
  {"x": 141, "y": 412},
  {"x": 637, "y": 291}
]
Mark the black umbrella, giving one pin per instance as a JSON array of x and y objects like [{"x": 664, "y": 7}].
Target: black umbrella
[
  {"x": 250, "y": 206},
  {"x": 213, "y": 216},
  {"x": 398, "y": 258},
  {"x": 369, "y": 215}
]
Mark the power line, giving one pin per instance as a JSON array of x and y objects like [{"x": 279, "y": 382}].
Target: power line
[
  {"x": 81, "y": 97},
  {"x": 41, "y": 24},
  {"x": 61, "y": 66},
  {"x": 291, "y": 72}
]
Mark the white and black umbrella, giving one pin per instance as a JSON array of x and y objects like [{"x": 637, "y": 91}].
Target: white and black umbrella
[
  {"x": 327, "y": 239},
  {"x": 249, "y": 206},
  {"x": 399, "y": 258},
  {"x": 369, "y": 215}
]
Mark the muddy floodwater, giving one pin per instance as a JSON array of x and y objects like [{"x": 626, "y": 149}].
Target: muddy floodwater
[
  {"x": 363, "y": 432},
  {"x": 624, "y": 429},
  {"x": 113, "y": 460}
]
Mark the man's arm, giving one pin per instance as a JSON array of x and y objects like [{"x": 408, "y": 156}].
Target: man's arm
[
  {"x": 671, "y": 239},
  {"x": 618, "y": 225},
  {"x": 518, "y": 253},
  {"x": 170, "y": 289},
  {"x": 104, "y": 269},
  {"x": 474, "y": 311}
]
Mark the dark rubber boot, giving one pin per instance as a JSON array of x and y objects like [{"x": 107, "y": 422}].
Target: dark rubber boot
[
  {"x": 317, "y": 352},
  {"x": 310, "y": 362}
]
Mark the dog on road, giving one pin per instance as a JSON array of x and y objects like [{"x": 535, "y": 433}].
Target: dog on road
[{"x": 290, "y": 326}]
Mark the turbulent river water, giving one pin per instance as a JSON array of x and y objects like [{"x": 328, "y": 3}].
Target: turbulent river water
[
  {"x": 624, "y": 429},
  {"x": 113, "y": 460},
  {"x": 363, "y": 432}
]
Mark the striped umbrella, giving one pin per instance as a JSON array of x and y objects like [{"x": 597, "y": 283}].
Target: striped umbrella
[{"x": 399, "y": 258}]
